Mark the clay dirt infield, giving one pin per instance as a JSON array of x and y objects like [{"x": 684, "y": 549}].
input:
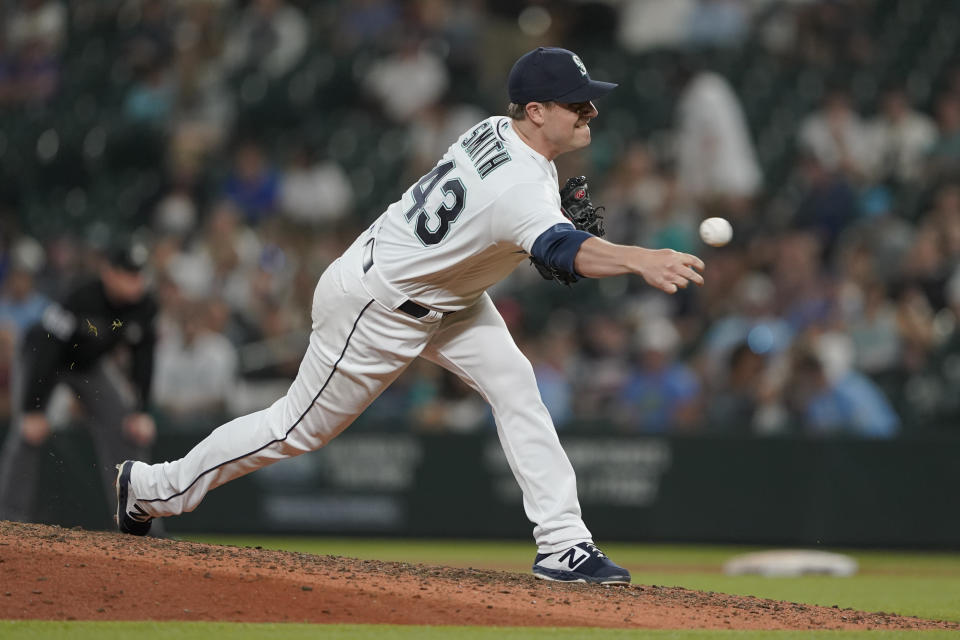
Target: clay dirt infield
[{"x": 70, "y": 574}]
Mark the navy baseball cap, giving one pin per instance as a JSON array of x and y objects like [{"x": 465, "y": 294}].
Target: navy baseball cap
[{"x": 551, "y": 74}]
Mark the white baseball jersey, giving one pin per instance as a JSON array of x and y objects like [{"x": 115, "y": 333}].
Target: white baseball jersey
[
  {"x": 462, "y": 227},
  {"x": 470, "y": 221}
]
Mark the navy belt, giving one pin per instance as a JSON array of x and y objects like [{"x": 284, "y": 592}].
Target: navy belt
[{"x": 409, "y": 307}]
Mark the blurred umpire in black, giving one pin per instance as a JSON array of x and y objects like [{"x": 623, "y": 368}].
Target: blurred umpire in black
[{"x": 76, "y": 343}]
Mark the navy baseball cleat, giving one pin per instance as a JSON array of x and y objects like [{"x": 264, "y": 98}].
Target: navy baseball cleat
[
  {"x": 130, "y": 517},
  {"x": 583, "y": 562}
]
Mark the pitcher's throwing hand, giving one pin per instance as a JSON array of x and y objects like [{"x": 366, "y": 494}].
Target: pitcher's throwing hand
[{"x": 670, "y": 270}]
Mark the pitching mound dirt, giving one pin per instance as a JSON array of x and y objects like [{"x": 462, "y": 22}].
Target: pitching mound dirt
[{"x": 68, "y": 574}]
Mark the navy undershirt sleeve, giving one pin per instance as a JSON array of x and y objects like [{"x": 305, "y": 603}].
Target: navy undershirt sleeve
[{"x": 558, "y": 246}]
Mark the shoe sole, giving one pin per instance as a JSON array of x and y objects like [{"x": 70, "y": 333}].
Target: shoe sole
[
  {"x": 124, "y": 524},
  {"x": 540, "y": 576},
  {"x": 568, "y": 577}
]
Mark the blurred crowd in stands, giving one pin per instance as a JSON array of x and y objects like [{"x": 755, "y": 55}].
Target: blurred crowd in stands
[{"x": 248, "y": 142}]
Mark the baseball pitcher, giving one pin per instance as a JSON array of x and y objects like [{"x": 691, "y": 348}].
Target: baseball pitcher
[{"x": 414, "y": 284}]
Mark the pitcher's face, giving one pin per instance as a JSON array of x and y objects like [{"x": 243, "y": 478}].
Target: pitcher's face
[{"x": 567, "y": 125}]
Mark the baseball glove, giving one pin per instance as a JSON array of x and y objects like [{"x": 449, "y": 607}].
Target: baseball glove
[{"x": 575, "y": 205}]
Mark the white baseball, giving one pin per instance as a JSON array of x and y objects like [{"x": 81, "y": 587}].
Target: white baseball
[{"x": 716, "y": 232}]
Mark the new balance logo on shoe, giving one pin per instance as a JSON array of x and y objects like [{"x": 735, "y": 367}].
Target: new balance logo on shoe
[
  {"x": 573, "y": 560},
  {"x": 139, "y": 514}
]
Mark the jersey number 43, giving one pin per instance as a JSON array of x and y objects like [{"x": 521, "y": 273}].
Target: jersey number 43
[{"x": 432, "y": 228}]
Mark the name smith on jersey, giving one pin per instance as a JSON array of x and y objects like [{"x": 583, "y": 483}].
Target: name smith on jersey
[{"x": 480, "y": 144}]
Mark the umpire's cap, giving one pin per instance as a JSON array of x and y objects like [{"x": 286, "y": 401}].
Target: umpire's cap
[
  {"x": 551, "y": 74},
  {"x": 129, "y": 256}
]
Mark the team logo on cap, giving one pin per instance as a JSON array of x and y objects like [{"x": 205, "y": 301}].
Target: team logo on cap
[{"x": 577, "y": 61}]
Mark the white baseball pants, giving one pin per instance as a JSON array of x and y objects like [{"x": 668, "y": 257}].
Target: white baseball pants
[{"x": 357, "y": 348}]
